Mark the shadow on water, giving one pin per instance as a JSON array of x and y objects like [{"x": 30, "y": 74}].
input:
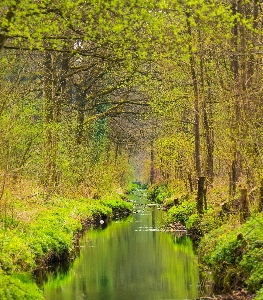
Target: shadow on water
[{"x": 129, "y": 259}]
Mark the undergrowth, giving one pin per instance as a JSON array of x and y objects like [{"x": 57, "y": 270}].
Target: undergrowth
[
  {"x": 235, "y": 254},
  {"x": 43, "y": 231},
  {"x": 232, "y": 251}
]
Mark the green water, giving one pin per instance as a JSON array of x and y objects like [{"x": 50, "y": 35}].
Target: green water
[{"x": 129, "y": 260}]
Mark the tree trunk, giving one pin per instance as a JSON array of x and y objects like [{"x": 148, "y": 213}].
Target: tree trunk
[
  {"x": 80, "y": 101},
  {"x": 209, "y": 135},
  {"x": 252, "y": 65},
  {"x": 189, "y": 176},
  {"x": 198, "y": 160},
  {"x": 50, "y": 139},
  {"x": 260, "y": 207},
  {"x": 201, "y": 195},
  {"x": 152, "y": 175},
  {"x": 244, "y": 209},
  {"x": 236, "y": 162}
]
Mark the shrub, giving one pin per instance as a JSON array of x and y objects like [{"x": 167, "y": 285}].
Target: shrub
[
  {"x": 19, "y": 287},
  {"x": 21, "y": 255},
  {"x": 168, "y": 203},
  {"x": 157, "y": 193},
  {"x": 234, "y": 254},
  {"x": 117, "y": 204},
  {"x": 193, "y": 221},
  {"x": 132, "y": 187},
  {"x": 259, "y": 295},
  {"x": 210, "y": 220},
  {"x": 181, "y": 213}
]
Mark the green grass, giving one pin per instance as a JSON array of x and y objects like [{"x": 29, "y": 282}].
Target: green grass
[
  {"x": 47, "y": 232},
  {"x": 235, "y": 254}
]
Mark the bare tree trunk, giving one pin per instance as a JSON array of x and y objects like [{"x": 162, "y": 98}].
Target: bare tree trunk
[
  {"x": 197, "y": 130},
  {"x": 2, "y": 41},
  {"x": 260, "y": 206},
  {"x": 190, "y": 180},
  {"x": 201, "y": 195},
  {"x": 209, "y": 136},
  {"x": 50, "y": 147},
  {"x": 244, "y": 209},
  {"x": 236, "y": 163},
  {"x": 55, "y": 84},
  {"x": 251, "y": 65},
  {"x": 198, "y": 161},
  {"x": 80, "y": 101},
  {"x": 209, "y": 148},
  {"x": 6, "y": 170},
  {"x": 152, "y": 175}
]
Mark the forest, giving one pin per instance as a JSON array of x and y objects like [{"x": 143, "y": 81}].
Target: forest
[{"x": 97, "y": 95}]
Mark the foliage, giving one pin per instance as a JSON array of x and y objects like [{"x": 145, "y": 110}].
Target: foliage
[
  {"x": 19, "y": 287},
  {"x": 49, "y": 234},
  {"x": 168, "y": 203},
  {"x": 197, "y": 64},
  {"x": 234, "y": 254},
  {"x": 133, "y": 187},
  {"x": 193, "y": 221},
  {"x": 211, "y": 219},
  {"x": 259, "y": 295},
  {"x": 186, "y": 213},
  {"x": 173, "y": 154},
  {"x": 158, "y": 193},
  {"x": 182, "y": 212},
  {"x": 117, "y": 204}
]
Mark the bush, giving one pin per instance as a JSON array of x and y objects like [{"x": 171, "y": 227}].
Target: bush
[
  {"x": 193, "y": 221},
  {"x": 169, "y": 203},
  {"x": 19, "y": 287},
  {"x": 259, "y": 295},
  {"x": 210, "y": 220},
  {"x": 235, "y": 255},
  {"x": 157, "y": 193},
  {"x": 132, "y": 187},
  {"x": 117, "y": 204},
  {"x": 182, "y": 212}
]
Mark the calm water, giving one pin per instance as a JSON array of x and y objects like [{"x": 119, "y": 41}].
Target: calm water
[{"x": 129, "y": 260}]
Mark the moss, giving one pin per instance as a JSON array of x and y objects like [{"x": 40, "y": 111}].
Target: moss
[
  {"x": 234, "y": 254},
  {"x": 19, "y": 287},
  {"x": 50, "y": 234}
]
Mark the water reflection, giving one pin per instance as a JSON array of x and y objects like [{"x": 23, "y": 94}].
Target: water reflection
[{"x": 129, "y": 260}]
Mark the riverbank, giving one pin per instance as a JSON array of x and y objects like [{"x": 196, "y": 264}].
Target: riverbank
[
  {"x": 130, "y": 259},
  {"x": 233, "y": 254},
  {"x": 229, "y": 247},
  {"x": 239, "y": 295},
  {"x": 36, "y": 233}
]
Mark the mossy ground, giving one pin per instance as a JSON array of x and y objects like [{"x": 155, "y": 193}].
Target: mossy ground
[
  {"x": 229, "y": 248},
  {"x": 34, "y": 232}
]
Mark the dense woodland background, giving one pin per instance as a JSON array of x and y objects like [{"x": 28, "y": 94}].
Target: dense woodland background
[{"x": 96, "y": 94}]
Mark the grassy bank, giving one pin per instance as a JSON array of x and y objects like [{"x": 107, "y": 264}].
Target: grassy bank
[
  {"x": 229, "y": 248},
  {"x": 234, "y": 254},
  {"x": 35, "y": 233}
]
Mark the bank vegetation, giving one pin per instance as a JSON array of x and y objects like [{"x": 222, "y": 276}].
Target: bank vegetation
[{"x": 95, "y": 95}]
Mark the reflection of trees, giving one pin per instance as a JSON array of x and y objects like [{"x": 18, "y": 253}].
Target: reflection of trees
[{"x": 133, "y": 264}]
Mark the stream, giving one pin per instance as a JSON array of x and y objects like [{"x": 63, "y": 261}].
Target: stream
[{"x": 130, "y": 259}]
